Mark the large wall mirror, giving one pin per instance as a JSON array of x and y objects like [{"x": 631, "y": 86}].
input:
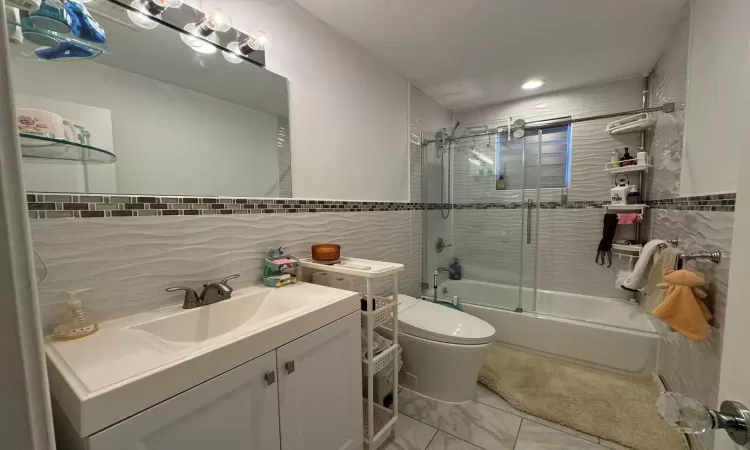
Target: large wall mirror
[{"x": 144, "y": 113}]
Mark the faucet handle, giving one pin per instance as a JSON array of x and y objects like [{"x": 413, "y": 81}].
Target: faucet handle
[{"x": 191, "y": 297}]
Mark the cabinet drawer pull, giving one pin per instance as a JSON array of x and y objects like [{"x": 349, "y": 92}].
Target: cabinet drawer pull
[
  {"x": 270, "y": 377},
  {"x": 289, "y": 367}
]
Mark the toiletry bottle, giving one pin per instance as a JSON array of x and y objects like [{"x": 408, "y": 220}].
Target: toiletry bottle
[
  {"x": 78, "y": 320},
  {"x": 614, "y": 159},
  {"x": 627, "y": 159},
  {"x": 456, "y": 270}
]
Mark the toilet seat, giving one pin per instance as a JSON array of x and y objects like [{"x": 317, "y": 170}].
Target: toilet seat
[{"x": 427, "y": 320}]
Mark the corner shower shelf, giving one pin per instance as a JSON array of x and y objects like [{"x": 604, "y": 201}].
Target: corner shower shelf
[
  {"x": 627, "y": 248},
  {"x": 635, "y": 168},
  {"x": 57, "y": 149},
  {"x": 51, "y": 37},
  {"x": 379, "y": 421}
]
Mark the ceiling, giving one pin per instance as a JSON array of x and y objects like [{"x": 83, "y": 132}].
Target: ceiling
[{"x": 470, "y": 53}]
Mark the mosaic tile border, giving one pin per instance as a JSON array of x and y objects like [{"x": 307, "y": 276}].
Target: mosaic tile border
[
  {"x": 49, "y": 206},
  {"x": 55, "y": 205},
  {"x": 716, "y": 202}
]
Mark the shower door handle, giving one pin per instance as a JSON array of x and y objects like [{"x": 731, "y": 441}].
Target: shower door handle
[{"x": 528, "y": 222}]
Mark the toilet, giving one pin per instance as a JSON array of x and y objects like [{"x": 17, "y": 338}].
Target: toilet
[{"x": 443, "y": 349}]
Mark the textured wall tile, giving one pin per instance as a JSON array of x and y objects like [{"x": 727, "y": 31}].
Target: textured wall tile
[
  {"x": 491, "y": 244},
  {"x": 669, "y": 84},
  {"x": 127, "y": 262},
  {"x": 688, "y": 367}
]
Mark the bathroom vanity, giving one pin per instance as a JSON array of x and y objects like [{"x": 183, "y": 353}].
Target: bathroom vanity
[{"x": 267, "y": 369}]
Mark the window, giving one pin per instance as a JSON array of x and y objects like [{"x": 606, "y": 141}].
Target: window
[{"x": 554, "y": 171}]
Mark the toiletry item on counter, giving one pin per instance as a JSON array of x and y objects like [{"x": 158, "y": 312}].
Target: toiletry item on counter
[
  {"x": 326, "y": 253},
  {"x": 456, "y": 271},
  {"x": 614, "y": 159},
  {"x": 627, "y": 159},
  {"x": 683, "y": 308},
  {"x": 642, "y": 158},
  {"x": 78, "y": 321}
]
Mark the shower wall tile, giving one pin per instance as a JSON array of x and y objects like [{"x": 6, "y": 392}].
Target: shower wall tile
[
  {"x": 688, "y": 367},
  {"x": 127, "y": 262},
  {"x": 591, "y": 145},
  {"x": 490, "y": 243},
  {"x": 669, "y": 84}
]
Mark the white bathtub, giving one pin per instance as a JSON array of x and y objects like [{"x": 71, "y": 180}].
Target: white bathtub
[{"x": 605, "y": 333}]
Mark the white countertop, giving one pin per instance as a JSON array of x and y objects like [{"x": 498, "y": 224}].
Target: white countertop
[{"x": 119, "y": 371}]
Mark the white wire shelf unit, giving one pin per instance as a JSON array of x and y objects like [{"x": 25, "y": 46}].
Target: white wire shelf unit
[{"x": 379, "y": 421}]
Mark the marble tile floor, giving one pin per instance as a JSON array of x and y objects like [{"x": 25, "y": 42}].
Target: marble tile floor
[{"x": 487, "y": 423}]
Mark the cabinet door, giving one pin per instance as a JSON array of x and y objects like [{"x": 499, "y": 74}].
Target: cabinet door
[
  {"x": 320, "y": 388},
  {"x": 237, "y": 410}
]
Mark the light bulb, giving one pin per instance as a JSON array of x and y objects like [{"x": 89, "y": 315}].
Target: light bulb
[
  {"x": 214, "y": 20},
  {"x": 532, "y": 84},
  {"x": 148, "y": 9},
  {"x": 257, "y": 40}
]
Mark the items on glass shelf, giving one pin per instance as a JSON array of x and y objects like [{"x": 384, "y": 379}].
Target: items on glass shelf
[
  {"x": 614, "y": 159},
  {"x": 627, "y": 159},
  {"x": 280, "y": 269},
  {"x": 619, "y": 193}
]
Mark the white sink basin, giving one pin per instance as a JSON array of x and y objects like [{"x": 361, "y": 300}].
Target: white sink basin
[{"x": 210, "y": 321}]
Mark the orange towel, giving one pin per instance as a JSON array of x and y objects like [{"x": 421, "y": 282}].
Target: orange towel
[{"x": 682, "y": 308}]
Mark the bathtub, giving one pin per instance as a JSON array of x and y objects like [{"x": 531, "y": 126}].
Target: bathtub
[{"x": 605, "y": 333}]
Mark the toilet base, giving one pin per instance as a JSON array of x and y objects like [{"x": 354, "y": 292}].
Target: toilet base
[{"x": 446, "y": 372}]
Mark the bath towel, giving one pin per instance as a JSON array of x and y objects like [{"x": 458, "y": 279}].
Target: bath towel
[
  {"x": 637, "y": 279},
  {"x": 629, "y": 218},
  {"x": 664, "y": 259},
  {"x": 682, "y": 308}
]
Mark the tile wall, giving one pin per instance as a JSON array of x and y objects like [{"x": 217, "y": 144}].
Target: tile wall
[
  {"x": 490, "y": 244},
  {"x": 701, "y": 223},
  {"x": 128, "y": 261}
]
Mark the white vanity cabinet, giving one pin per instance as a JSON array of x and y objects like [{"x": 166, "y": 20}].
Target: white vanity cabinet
[
  {"x": 238, "y": 409},
  {"x": 303, "y": 395},
  {"x": 320, "y": 388}
]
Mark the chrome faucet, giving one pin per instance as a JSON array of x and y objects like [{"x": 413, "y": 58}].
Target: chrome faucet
[{"x": 213, "y": 292}]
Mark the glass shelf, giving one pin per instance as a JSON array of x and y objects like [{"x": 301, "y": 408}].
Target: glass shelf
[
  {"x": 36, "y": 38},
  {"x": 56, "y": 149}
]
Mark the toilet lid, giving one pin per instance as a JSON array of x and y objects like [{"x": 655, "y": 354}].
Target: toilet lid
[{"x": 428, "y": 320}]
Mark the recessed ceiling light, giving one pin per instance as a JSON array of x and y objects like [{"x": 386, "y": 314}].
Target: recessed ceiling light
[{"x": 532, "y": 84}]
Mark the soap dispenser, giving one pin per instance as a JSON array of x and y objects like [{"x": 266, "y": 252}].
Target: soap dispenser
[{"x": 78, "y": 321}]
